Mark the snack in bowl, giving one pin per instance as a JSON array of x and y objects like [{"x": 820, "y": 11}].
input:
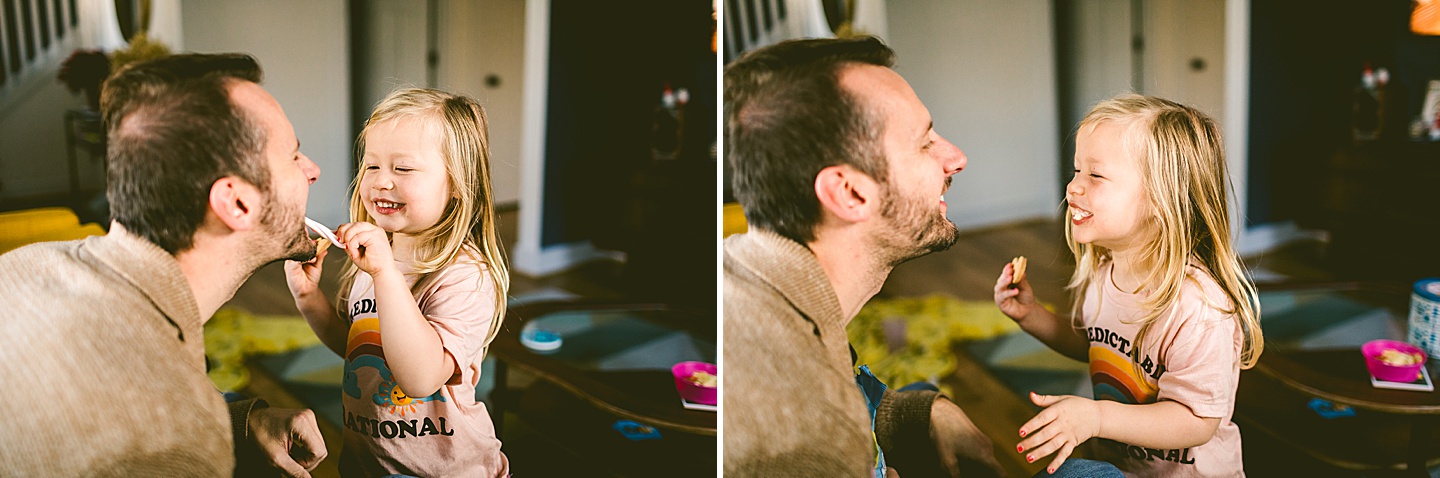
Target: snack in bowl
[
  {"x": 703, "y": 378},
  {"x": 686, "y": 375},
  {"x": 1019, "y": 263},
  {"x": 1400, "y": 359},
  {"x": 1393, "y": 360}
]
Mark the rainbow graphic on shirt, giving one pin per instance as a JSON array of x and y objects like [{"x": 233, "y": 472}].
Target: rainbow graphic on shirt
[
  {"x": 363, "y": 350},
  {"x": 1114, "y": 377}
]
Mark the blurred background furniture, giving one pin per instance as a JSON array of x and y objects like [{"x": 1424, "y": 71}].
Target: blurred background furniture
[
  {"x": 18, "y": 228},
  {"x": 1311, "y": 390},
  {"x": 611, "y": 373}
]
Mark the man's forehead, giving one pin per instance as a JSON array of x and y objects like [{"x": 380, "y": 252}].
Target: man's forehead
[
  {"x": 263, "y": 109},
  {"x": 886, "y": 92},
  {"x": 875, "y": 81}
]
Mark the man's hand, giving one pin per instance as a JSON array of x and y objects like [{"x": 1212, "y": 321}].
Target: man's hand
[
  {"x": 289, "y": 438},
  {"x": 963, "y": 449}
]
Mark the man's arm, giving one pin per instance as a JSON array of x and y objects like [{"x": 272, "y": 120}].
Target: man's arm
[
  {"x": 925, "y": 434},
  {"x": 267, "y": 439}
]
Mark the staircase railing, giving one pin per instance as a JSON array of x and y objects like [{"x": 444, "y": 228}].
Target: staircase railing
[{"x": 35, "y": 37}]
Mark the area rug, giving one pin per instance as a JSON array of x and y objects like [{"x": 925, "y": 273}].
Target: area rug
[
  {"x": 909, "y": 339},
  {"x": 233, "y": 335}
]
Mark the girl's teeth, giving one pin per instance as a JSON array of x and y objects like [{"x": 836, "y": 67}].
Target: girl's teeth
[{"x": 388, "y": 205}]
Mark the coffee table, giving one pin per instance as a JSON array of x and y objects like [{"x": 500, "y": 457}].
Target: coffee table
[
  {"x": 616, "y": 356},
  {"x": 1314, "y": 333}
]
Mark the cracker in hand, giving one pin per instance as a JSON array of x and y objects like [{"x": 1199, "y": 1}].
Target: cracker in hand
[{"x": 1019, "y": 275}]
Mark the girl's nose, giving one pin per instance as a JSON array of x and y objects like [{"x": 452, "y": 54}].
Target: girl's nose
[
  {"x": 382, "y": 181},
  {"x": 1074, "y": 188}
]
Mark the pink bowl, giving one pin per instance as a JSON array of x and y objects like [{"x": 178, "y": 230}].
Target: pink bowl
[
  {"x": 690, "y": 391},
  {"x": 1385, "y": 371}
]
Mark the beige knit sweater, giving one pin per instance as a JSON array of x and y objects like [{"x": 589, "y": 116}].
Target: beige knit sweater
[
  {"x": 104, "y": 366},
  {"x": 792, "y": 407}
]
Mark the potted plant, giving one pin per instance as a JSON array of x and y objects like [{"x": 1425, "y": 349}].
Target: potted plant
[{"x": 83, "y": 71}]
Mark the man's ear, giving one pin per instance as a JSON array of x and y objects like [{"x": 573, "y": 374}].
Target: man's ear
[
  {"x": 847, "y": 193},
  {"x": 235, "y": 203}
]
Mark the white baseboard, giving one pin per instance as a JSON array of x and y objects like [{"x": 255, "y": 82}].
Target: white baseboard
[
  {"x": 559, "y": 258},
  {"x": 1265, "y": 237}
]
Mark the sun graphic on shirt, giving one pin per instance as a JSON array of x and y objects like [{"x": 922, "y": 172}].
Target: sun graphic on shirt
[{"x": 391, "y": 395}]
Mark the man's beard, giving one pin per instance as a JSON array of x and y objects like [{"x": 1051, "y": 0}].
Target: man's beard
[
  {"x": 289, "y": 230},
  {"x": 911, "y": 229}
]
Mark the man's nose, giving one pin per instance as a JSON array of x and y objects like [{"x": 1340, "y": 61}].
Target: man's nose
[
  {"x": 311, "y": 170},
  {"x": 952, "y": 158}
]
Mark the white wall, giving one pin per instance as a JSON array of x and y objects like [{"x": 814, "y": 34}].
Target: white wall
[
  {"x": 986, "y": 70},
  {"x": 32, "y": 144},
  {"x": 304, "y": 50}
]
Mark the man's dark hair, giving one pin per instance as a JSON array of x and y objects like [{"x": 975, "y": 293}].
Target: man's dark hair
[
  {"x": 787, "y": 118},
  {"x": 172, "y": 131}
]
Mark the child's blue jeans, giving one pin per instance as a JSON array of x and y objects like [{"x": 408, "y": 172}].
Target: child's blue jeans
[{"x": 1082, "y": 468}]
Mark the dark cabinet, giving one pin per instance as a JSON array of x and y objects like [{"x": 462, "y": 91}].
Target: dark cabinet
[{"x": 1381, "y": 204}]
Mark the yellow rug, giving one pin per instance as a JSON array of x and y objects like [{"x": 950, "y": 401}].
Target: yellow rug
[
  {"x": 930, "y": 325},
  {"x": 232, "y": 335}
]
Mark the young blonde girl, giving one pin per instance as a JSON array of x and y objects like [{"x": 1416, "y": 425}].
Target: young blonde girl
[
  {"x": 424, "y": 292},
  {"x": 1163, "y": 311}
]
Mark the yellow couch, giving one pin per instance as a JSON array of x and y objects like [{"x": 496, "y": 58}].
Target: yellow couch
[
  {"x": 733, "y": 220},
  {"x": 18, "y": 228}
]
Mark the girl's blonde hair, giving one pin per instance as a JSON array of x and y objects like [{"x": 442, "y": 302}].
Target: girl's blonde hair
[
  {"x": 468, "y": 222},
  {"x": 1182, "y": 164}
]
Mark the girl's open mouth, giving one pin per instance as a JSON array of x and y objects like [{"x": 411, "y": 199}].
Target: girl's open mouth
[
  {"x": 388, "y": 207},
  {"x": 1078, "y": 216}
]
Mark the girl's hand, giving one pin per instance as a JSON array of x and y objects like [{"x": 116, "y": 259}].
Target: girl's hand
[
  {"x": 1015, "y": 300},
  {"x": 367, "y": 245},
  {"x": 304, "y": 277},
  {"x": 1065, "y": 423}
]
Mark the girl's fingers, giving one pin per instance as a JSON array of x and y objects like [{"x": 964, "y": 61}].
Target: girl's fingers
[
  {"x": 1038, "y": 444},
  {"x": 1060, "y": 457},
  {"x": 1039, "y": 421},
  {"x": 1004, "y": 280},
  {"x": 1053, "y": 443}
]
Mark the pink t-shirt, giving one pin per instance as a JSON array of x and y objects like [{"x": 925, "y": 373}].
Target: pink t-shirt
[
  {"x": 1191, "y": 356},
  {"x": 448, "y": 433}
]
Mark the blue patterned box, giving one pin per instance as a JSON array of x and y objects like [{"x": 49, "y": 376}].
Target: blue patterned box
[{"x": 1425, "y": 316}]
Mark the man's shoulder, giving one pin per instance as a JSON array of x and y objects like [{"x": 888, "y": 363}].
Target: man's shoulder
[
  {"x": 37, "y": 268},
  {"x": 751, "y": 300},
  {"x": 40, "y": 251}
]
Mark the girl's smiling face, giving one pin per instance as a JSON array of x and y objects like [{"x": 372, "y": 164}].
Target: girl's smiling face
[
  {"x": 1107, "y": 202},
  {"x": 403, "y": 180}
]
